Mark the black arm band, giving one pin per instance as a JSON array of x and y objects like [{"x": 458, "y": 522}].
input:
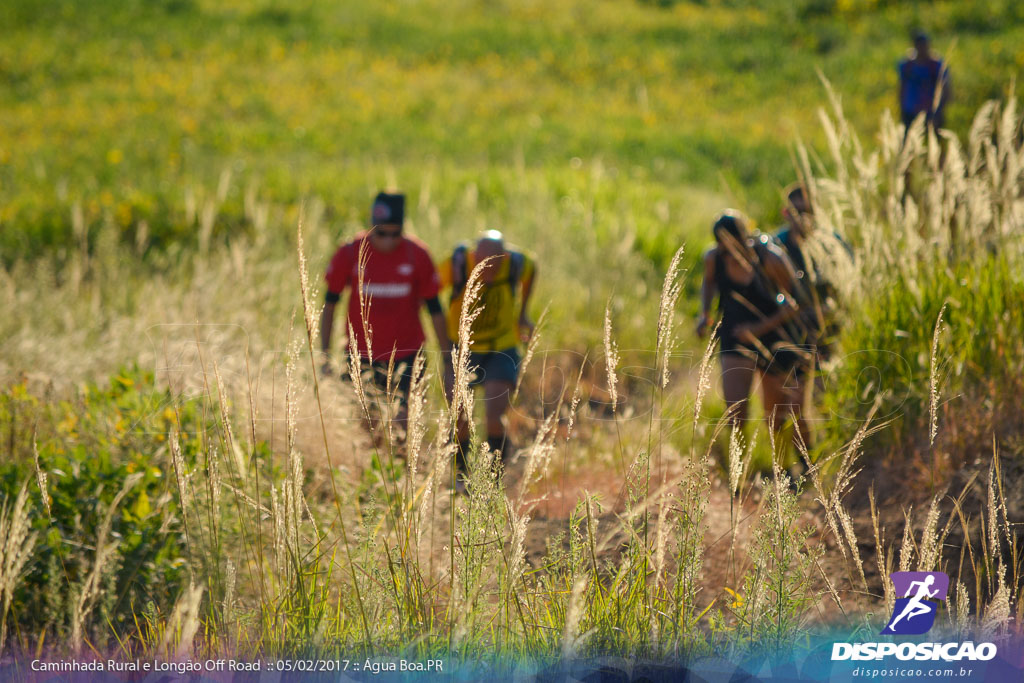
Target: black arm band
[
  {"x": 433, "y": 305},
  {"x": 332, "y": 297}
]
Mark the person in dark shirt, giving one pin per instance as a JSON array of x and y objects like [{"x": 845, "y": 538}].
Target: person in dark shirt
[
  {"x": 924, "y": 84},
  {"x": 799, "y": 224},
  {"x": 760, "y": 331},
  {"x": 814, "y": 289}
]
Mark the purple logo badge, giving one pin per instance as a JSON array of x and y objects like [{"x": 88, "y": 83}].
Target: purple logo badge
[{"x": 914, "y": 611}]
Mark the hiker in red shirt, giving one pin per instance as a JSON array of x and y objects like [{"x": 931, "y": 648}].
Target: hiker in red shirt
[{"x": 398, "y": 277}]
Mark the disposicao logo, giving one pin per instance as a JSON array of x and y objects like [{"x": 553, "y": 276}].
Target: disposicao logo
[{"x": 914, "y": 613}]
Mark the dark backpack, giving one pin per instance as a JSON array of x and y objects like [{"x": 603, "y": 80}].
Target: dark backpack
[
  {"x": 813, "y": 292},
  {"x": 801, "y": 328},
  {"x": 460, "y": 270}
]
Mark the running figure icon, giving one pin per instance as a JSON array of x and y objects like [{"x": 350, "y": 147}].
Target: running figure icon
[
  {"x": 914, "y": 613},
  {"x": 916, "y": 606}
]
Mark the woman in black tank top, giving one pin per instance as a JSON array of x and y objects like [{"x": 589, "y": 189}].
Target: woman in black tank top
[
  {"x": 742, "y": 304},
  {"x": 759, "y": 330}
]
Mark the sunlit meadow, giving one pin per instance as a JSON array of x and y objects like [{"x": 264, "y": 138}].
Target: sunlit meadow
[{"x": 178, "y": 479}]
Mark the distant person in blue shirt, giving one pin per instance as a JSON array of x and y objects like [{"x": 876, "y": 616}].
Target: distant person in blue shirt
[{"x": 921, "y": 74}]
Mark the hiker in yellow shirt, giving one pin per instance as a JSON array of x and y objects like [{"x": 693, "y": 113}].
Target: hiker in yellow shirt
[{"x": 496, "y": 332}]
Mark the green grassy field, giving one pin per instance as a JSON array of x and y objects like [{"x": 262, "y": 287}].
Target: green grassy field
[
  {"x": 158, "y": 401},
  {"x": 122, "y": 107}
]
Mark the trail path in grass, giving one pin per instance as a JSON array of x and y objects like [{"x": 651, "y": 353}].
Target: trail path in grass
[{"x": 594, "y": 466}]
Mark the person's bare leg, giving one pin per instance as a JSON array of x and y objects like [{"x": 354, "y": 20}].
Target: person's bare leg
[
  {"x": 462, "y": 447},
  {"x": 737, "y": 378},
  {"x": 783, "y": 397},
  {"x": 461, "y": 424},
  {"x": 401, "y": 421},
  {"x": 397, "y": 429},
  {"x": 798, "y": 392},
  {"x": 497, "y": 397}
]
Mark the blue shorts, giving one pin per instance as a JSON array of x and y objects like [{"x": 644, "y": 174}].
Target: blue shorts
[{"x": 488, "y": 366}]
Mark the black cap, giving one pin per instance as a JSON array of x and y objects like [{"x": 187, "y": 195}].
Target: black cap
[{"x": 387, "y": 209}]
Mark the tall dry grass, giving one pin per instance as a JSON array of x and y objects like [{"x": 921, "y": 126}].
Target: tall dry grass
[
  {"x": 933, "y": 287},
  {"x": 301, "y": 534}
]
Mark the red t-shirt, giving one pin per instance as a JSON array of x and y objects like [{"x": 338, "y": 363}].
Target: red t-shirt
[{"x": 396, "y": 283}]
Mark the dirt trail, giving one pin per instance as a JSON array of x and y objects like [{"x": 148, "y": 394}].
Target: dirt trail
[{"x": 594, "y": 466}]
